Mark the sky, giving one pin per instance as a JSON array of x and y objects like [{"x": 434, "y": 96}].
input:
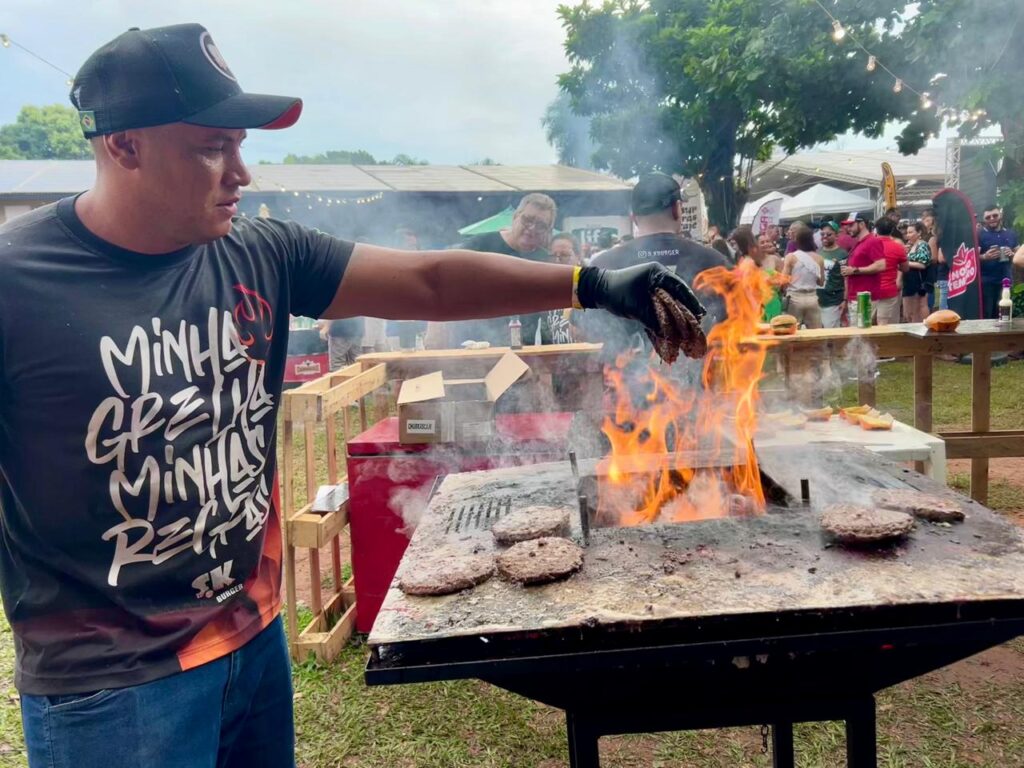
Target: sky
[{"x": 450, "y": 81}]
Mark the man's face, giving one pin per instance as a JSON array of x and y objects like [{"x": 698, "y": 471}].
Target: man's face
[
  {"x": 993, "y": 218},
  {"x": 767, "y": 244},
  {"x": 562, "y": 252},
  {"x": 828, "y": 237},
  {"x": 860, "y": 228},
  {"x": 193, "y": 176},
  {"x": 531, "y": 228},
  {"x": 894, "y": 216}
]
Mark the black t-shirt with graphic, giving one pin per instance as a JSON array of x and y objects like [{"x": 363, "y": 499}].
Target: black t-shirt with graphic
[
  {"x": 138, "y": 398},
  {"x": 683, "y": 256},
  {"x": 495, "y": 330}
]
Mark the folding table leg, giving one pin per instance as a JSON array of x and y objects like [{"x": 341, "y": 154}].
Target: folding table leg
[
  {"x": 583, "y": 750},
  {"x": 782, "y": 746},
  {"x": 861, "y": 738}
]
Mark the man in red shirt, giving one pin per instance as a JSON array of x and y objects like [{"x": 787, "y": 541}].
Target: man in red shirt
[
  {"x": 866, "y": 262},
  {"x": 845, "y": 240},
  {"x": 890, "y": 288}
]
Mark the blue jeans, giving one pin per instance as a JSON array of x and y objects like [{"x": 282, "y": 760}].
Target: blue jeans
[
  {"x": 232, "y": 712},
  {"x": 943, "y": 293}
]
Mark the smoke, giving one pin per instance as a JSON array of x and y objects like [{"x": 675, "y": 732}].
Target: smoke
[{"x": 823, "y": 380}]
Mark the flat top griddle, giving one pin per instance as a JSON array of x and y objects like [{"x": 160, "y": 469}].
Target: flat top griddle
[{"x": 777, "y": 573}]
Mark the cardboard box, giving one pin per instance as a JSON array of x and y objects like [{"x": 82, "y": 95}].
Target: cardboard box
[{"x": 432, "y": 409}]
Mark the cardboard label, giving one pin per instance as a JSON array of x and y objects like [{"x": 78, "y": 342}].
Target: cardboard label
[{"x": 421, "y": 427}]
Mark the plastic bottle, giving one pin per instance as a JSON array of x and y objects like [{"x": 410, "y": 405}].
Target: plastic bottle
[
  {"x": 515, "y": 331},
  {"x": 1005, "y": 304}
]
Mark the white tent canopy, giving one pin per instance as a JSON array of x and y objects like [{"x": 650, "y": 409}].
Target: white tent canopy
[
  {"x": 750, "y": 209},
  {"x": 821, "y": 199}
]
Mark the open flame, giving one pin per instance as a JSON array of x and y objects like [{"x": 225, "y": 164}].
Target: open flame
[{"x": 681, "y": 454}]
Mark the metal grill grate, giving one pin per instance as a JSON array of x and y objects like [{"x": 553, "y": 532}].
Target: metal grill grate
[{"x": 477, "y": 515}]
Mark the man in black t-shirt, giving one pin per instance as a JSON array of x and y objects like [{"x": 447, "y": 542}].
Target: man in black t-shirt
[
  {"x": 143, "y": 337},
  {"x": 657, "y": 211},
  {"x": 527, "y": 238}
]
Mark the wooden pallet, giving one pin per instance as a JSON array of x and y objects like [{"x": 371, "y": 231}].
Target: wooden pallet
[{"x": 313, "y": 406}]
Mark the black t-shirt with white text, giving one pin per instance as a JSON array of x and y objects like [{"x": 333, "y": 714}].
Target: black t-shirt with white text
[
  {"x": 139, "y": 509},
  {"x": 684, "y": 257}
]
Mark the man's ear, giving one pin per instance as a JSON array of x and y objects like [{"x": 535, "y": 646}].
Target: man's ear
[{"x": 122, "y": 148}]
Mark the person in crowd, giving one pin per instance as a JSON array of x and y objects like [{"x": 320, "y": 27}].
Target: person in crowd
[
  {"x": 997, "y": 245},
  {"x": 527, "y": 238},
  {"x": 714, "y": 239},
  {"x": 916, "y": 270},
  {"x": 751, "y": 248},
  {"x": 888, "y": 304},
  {"x": 657, "y": 213},
  {"x": 565, "y": 249},
  {"x": 791, "y": 237},
  {"x": 832, "y": 296},
  {"x": 937, "y": 273},
  {"x": 893, "y": 215},
  {"x": 864, "y": 265},
  {"x": 769, "y": 253},
  {"x": 344, "y": 340},
  {"x": 140, "y": 519},
  {"x": 846, "y": 239},
  {"x": 806, "y": 272},
  {"x": 605, "y": 240}
]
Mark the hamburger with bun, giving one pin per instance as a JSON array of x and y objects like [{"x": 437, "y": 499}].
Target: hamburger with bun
[
  {"x": 783, "y": 325},
  {"x": 942, "y": 320}
]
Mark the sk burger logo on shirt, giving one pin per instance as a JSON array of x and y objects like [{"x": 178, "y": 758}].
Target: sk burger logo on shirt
[
  {"x": 213, "y": 55},
  {"x": 963, "y": 271}
]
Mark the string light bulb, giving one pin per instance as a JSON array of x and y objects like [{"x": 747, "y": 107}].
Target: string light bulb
[
  {"x": 897, "y": 86},
  {"x": 838, "y": 33},
  {"x": 926, "y": 101},
  {"x": 5, "y": 41},
  {"x": 872, "y": 63}
]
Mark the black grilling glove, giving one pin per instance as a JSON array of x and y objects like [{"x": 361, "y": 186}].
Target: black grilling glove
[{"x": 627, "y": 292}]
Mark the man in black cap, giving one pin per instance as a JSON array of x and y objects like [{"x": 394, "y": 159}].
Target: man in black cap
[
  {"x": 143, "y": 337},
  {"x": 657, "y": 215}
]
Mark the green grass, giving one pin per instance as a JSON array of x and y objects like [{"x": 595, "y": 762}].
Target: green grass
[{"x": 937, "y": 721}]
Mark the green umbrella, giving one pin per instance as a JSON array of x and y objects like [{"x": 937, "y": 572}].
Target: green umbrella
[{"x": 495, "y": 223}]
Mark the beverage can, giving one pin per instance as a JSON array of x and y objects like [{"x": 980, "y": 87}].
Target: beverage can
[{"x": 864, "y": 309}]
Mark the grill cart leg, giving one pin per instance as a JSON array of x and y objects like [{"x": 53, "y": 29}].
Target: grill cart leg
[
  {"x": 861, "y": 745},
  {"x": 782, "y": 746},
  {"x": 583, "y": 751}
]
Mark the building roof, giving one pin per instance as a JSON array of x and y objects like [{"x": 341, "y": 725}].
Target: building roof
[
  {"x": 25, "y": 178},
  {"x": 917, "y": 176}
]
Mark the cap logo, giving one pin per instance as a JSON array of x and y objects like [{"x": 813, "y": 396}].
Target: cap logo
[
  {"x": 88, "y": 121},
  {"x": 213, "y": 55}
]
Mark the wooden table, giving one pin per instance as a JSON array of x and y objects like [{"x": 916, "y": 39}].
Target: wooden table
[
  {"x": 979, "y": 338},
  {"x": 465, "y": 363}
]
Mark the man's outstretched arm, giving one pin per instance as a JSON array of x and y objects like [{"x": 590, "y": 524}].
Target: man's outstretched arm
[{"x": 447, "y": 285}]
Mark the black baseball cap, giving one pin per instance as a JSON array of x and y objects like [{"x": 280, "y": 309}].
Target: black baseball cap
[
  {"x": 653, "y": 193},
  {"x": 174, "y": 74}
]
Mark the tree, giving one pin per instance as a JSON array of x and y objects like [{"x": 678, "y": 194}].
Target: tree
[
  {"x": 968, "y": 55},
  {"x": 44, "y": 133},
  {"x": 350, "y": 157},
  {"x": 333, "y": 157},
  {"x": 706, "y": 87},
  {"x": 568, "y": 133}
]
